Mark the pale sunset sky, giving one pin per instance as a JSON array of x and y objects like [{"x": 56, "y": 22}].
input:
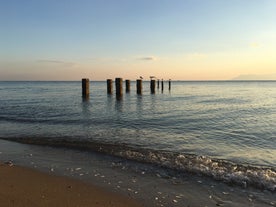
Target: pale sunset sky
[{"x": 100, "y": 39}]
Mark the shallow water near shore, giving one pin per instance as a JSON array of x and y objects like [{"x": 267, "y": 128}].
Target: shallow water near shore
[
  {"x": 220, "y": 131},
  {"x": 151, "y": 185}
]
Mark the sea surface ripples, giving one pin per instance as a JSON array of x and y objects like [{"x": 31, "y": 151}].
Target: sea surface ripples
[{"x": 226, "y": 130}]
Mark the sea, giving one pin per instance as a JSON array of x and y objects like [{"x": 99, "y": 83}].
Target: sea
[{"x": 222, "y": 131}]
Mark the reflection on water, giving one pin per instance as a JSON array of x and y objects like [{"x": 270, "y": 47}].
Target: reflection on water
[
  {"x": 85, "y": 98},
  {"x": 219, "y": 119},
  {"x": 119, "y": 97},
  {"x": 119, "y": 104},
  {"x": 86, "y": 108},
  {"x": 139, "y": 106}
]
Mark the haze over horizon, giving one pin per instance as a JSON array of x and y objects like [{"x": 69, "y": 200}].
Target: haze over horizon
[{"x": 176, "y": 39}]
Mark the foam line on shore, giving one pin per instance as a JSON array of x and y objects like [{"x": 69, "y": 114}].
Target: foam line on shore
[{"x": 234, "y": 173}]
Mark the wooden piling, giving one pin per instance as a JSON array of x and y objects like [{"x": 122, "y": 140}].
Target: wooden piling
[
  {"x": 152, "y": 86},
  {"x": 85, "y": 87},
  {"x": 127, "y": 86},
  {"x": 139, "y": 86},
  {"x": 109, "y": 86},
  {"x": 169, "y": 84},
  {"x": 119, "y": 86},
  {"x": 162, "y": 85},
  {"x": 158, "y": 84}
]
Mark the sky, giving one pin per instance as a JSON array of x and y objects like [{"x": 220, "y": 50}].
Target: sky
[{"x": 169, "y": 39}]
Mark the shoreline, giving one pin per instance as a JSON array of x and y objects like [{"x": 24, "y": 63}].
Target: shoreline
[
  {"x": 147, "y": 184},
  {"x": 20, "y": 186}
]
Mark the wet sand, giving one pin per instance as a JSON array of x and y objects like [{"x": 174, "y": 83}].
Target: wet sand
[
  {"x": 21, "y": 186},
  {"x": 129, "y": 182}
]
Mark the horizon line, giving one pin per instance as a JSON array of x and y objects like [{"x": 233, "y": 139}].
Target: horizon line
[{"x": 214, "y": 80}]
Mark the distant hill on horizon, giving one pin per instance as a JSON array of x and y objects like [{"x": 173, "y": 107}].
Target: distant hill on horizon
[{"x": 256, "y": 77}]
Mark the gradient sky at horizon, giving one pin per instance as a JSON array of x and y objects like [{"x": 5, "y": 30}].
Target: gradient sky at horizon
[{"x": 100, "y": 39}]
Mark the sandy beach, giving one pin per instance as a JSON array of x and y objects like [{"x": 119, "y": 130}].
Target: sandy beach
[
  {"x": 46, "y": 176},
  {"x": 21, "y": 186}
]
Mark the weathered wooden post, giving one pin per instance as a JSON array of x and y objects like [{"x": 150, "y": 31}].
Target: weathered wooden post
[
  {"x": 139, "y": 86},
  {"x": 169, "y": 84},
  {"x": 158, "y": 83},
  {"x": 85, "y": 87},
  {"x": 127, "y": 86},
  {"x": 152, "y": 86},
  {"x": 119, "y": 86},
  {"x": 162, "y": 85},
  {"x": 109, "y": 86}
]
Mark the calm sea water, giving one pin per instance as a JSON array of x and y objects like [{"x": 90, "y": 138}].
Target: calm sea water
[{"x": 226, "y": 130}]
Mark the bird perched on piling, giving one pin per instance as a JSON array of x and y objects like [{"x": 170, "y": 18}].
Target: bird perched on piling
[
  {"x": 151, "y": 77},
  {"x": 141, "y": 77}
]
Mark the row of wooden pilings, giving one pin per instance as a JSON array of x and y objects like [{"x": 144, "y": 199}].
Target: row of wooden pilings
[{"x": 119, "y": 86}]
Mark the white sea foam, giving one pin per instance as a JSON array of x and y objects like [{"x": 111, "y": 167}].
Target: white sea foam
[{"x": 243, "y": 175}]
